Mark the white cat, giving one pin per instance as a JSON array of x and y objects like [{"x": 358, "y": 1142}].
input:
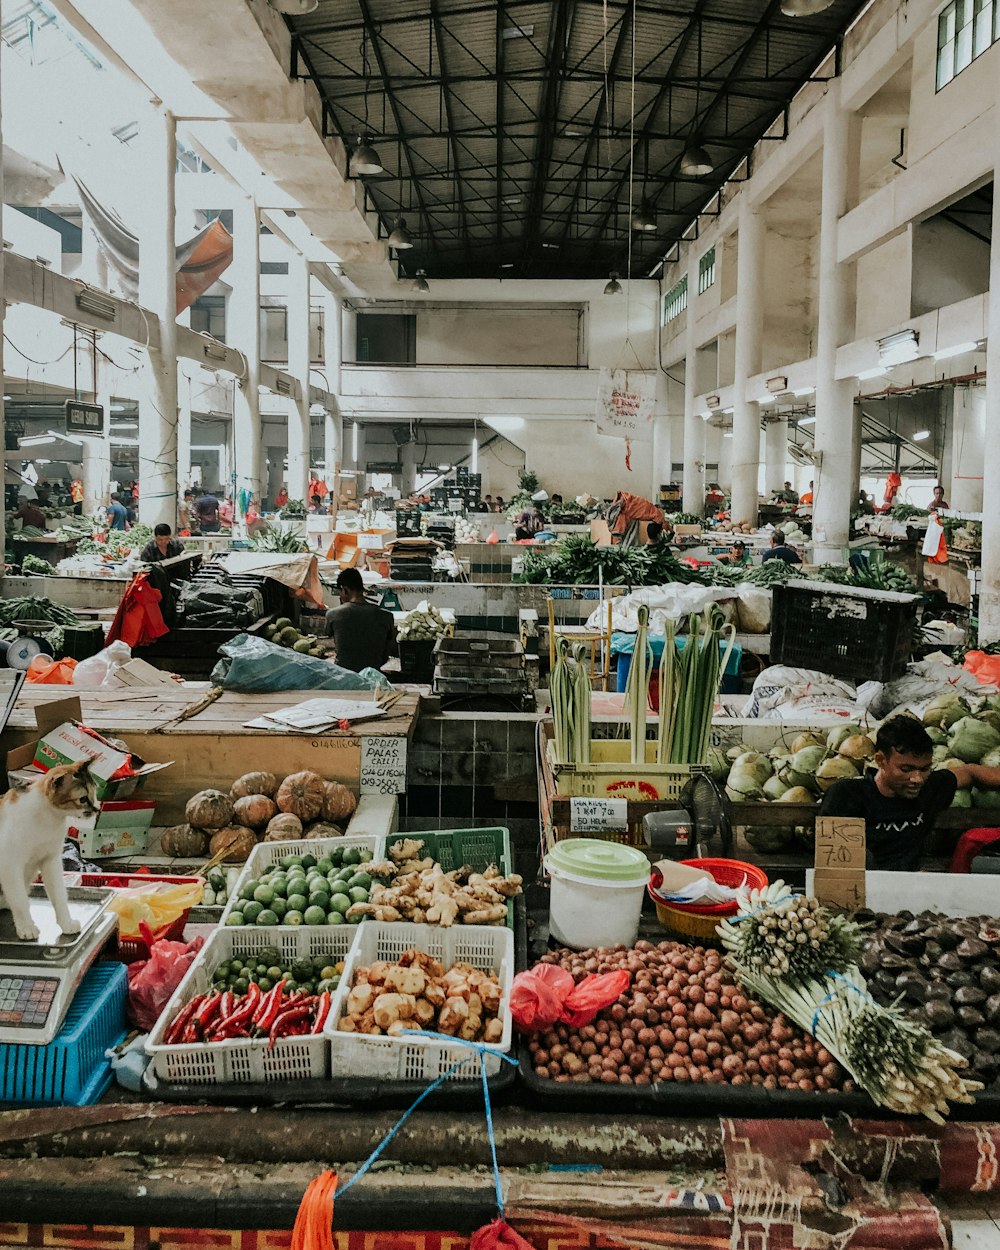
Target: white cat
[{"x": 33, "y": 824}]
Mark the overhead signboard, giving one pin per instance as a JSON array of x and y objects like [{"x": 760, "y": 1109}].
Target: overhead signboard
[{"x": 84, "y": 418}]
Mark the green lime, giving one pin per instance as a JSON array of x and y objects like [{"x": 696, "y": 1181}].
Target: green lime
[
  {"x": 320, "y": 899},
  {"x": 297, "y": 902},
  {"x": 241, "y": 985},
  {"x": 292, "y": 917},
  {"x": 307, "y": 860},
  {"x": 339, "y": 904},
  {"x": 352, "y": 855},
  {"x": 358, "y": 895},
  {"x": 279, "y": 906},
  {"x": 334, "y": 917},
  {"x": 274, "y": 973},
  {"x": 279, "y": 887},
  {"x": 328, "y": 972},
  {"x": 234, "y": 918},
  {"x": 247, "y": 890},
  {"x": 324, "y": 865},
  {"x": 261, "y": 969},
  {"x": 366, "y": 856},
  {"x": 221, "y": 973},
  {"x": 236, "y": 965},
  {"x": 265, "y": 984},
  {"x": 314, "y": 915},
  {"x": 251, "y": 911},
  {"x": 363, "y": 879},
  {"x": 267, "y": 918},
  {"x": 263, "y": 894},
  {"x": 328, "y": 985},
  {"x": 341, "y": 887}
]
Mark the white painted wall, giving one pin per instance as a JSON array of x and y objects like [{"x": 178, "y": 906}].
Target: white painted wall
[
  {"x": 500, "y": 336},
  {"x": 883, "y": 286},
  {"x": 949, "y": 265}
]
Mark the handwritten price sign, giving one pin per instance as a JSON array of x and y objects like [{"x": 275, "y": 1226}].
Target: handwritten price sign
[{"x": 839, "y": 879}]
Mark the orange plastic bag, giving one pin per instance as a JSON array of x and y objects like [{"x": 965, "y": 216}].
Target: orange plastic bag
[
  {"x": 985, "y": 668},
  {"x": 494, "y": 538},
  {"x": 45, "y": 671},
  {"x": 313, "y": 1228}
]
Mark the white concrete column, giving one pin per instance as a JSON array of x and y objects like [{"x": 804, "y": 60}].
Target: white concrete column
[
  {"x": 408, "y": 461},
  {"x": 333, "y": 422},
  {"x": 749, "y": 328},
  {"x": 349, "y": 334},
  {"x": 298, "y": 367},
  {"x": 659, "y": 471},
  {"x": 775, "y": 453},
  {"x": 243, "y": 333},
  {"x": 968, "y": 441},
  {"x": 361, "y": 460},
  {"x": 836, "y": 427},
  {"x": 275, "y": 472},
  {"x": 158, "y": 294},
  {"x": 184, "y": 386},
  {"x": 694, "y": 426},
  {"x": 989, "y": 595}
]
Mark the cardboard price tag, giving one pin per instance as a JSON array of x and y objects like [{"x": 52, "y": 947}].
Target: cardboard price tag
[
  {"x": 839, "y": 879},
  {"x": 598, "y": 815},
  {"x": 383, "y": 765},
  {"x": 843, "y": 889}
]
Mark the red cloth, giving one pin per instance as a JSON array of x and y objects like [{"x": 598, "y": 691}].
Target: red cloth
[
  {"x": 498, "y": 1236},
  {"x": 138, "y": 620},
  {"x": 969, "y": 845},
  {"x": 626, "y": 507}
]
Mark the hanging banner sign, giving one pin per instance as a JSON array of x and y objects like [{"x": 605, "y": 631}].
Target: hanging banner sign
[
  {"x": 84, "y": 418},
  {"x": 625, "y": 402}
]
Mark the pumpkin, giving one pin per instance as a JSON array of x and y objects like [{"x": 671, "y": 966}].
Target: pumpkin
[
  {"x": 339, "y": 802},
  {"x": 183, "y": 842},
  {"x": 209, "y": 809},
  {"x": 283, "y": 828},
  {"x": 254, "y": 810},
  {"x": 233, "y": 844},
  {"x": 302, "y": 794},
  {"x": 323, "y": 829},
  {"x": 254, "y": 783}
]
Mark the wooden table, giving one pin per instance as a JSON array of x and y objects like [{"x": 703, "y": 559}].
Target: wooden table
[{"x": 209, "y": 745}]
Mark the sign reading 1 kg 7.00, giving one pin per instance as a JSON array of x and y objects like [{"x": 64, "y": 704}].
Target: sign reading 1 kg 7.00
[{"x": 84, "y": 418}]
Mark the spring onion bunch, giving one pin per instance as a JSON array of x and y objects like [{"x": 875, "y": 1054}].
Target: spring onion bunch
[
  {"x": 637, "y": 686},
  {"x": 782, "y": 960},
  {"x": 569, "y": 690},
  {"x": 689, "y": 682}
]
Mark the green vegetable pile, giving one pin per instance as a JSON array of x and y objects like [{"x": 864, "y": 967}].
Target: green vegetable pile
[
  {"x": 35, "y": 608},
  {"x": 32, "y": 564},
  {"x": 310, "y": 975},
  {"x": 876, "y": 574},
  {"x": 685, "y": 518},
  {"x": 304, "y": 890},
  {"x": 294, "y": 509},
  {"x": 905, "y": 511},
  {"x": 578, "y": 561},
  {"x": 286, "y": 543},
  {"x": 284, "y": 634}
]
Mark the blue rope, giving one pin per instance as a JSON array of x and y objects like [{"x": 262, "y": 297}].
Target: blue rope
[
  {"x": 836, "y": 976},
  {"x": 477, "y": 1048}
]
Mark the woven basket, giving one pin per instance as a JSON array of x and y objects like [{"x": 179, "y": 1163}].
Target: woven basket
[{"x": 700, "y": 922}]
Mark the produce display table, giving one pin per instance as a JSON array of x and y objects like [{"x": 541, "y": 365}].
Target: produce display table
[{"x": 52, "y": 549}]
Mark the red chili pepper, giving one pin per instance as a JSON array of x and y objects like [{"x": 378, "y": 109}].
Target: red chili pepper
[
  {"x": 227, "y": 1030},
  {"x": 227, "y": 1006},
  {"x": 270, "y": 1006},
  {"x": 176, "y": 1028},
  {"x": 208, "y": 1011},
  {"x": 322, "y": 1011},
  {"x": 245, "y": 1007},
  {"x": 282, "y": 1025}
]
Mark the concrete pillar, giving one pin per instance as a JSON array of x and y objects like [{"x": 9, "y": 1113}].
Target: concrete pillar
[
  {"x": 775, "y": 453},
  {"x": 3, "y": 305},
  {"x": 275, "y": 472},
  {"x": 333, "y": 422},
  {"x": 243, "y": 333},
  {"x": 694, "y": 426},
  {"x": 968, "y": 441},
  {"x": 361, "y": 460},
  {"x": 836, "y": 426},
  {"x": 660, "y": 457},
  {"x": 184, "y": 387},
  {"x": 298, "y": 367},
  {"x": 989, "y": 594},
  {"x": 158, "y": 294},
  {"x": 97, "y": 451},
  {"x": 349, "y": 334},
  {"x": 408, "y": 460},
  {"x": 749, "y": 326}
]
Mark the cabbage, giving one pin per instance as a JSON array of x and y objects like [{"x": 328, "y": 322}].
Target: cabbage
[
  {"x": 945, "y": 710},
  {"x": 834, "y": 769},
  {"x": 837, "y": 735},
  {"x": 985, "y": 798},
  {"x": 801, "y": 770},
  {"x": 857, "y": 747},
  {"x": 797, "y": 794},
  {"x": 774, "y": 788},
  {"x": 718, "y": 763},
  {"x": 807, "y": 740},
  {"x": 962, "y": 799},
  {"x": 758, "y": 764},
  {"x": 970, "y": 739}
]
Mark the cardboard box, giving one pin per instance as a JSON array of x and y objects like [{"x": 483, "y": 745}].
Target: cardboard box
[
  {"x": 119, "y": 830},
  {"x": 687, "y": 531},
  {"x": 348, "y": 488},
  {"x": 64, "y": 740}
]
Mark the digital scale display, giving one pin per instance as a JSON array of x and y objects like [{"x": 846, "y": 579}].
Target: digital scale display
[{"x": 25, "y": 1002}]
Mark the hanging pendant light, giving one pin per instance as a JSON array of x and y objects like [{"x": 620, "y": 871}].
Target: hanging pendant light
[
  {"x": 294, "y": 8},
  {"x": 364, "y": 159},
  {"x": 420, "y": 283},
  {"x": 614, "y": 287},
  {"x": 644, "y": 218},
  {"x": 400, "y": 236},
  {"x": 804, "y": 8},
  {"x": 696, "y": 162}
]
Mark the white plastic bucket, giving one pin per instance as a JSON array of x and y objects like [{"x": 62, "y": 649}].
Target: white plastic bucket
[{"x": 593, "y": 910}]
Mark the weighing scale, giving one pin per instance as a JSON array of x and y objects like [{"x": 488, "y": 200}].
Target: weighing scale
[{"x": 38, "y": 979}]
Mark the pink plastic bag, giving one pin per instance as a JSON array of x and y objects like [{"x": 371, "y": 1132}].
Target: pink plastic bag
[
  {"x": 152, "y": 981},
  {"x": 546, "y": 995}
]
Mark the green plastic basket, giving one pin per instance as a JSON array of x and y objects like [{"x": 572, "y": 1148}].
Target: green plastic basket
[{"x": 452, "y": 848}]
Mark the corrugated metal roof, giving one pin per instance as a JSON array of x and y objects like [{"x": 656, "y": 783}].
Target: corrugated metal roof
[{"x": 505, "y": 127}]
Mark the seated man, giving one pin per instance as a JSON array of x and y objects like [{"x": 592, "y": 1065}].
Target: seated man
[
  {"x": 364, "y": 635},
  {"x": 162, "y": 546}
]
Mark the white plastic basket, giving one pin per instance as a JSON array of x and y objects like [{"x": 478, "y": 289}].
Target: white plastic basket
[
  {"x": 207, "y": 1063},
  {"x": 415, "y": 1058},
  {"x": 266, "y": 854}
]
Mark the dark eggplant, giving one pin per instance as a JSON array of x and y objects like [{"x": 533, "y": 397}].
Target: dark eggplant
[
  {"x": 989, "y": 978},
  {"x": 971, "y": 948},
  {"x": 913, "y": 985},
  {"x": 957, "y": 1041},
  {"x": 970, "y": 1017},
  {"x": 950, "y": 962},
  {"x": 938, "y": 1014},
  {"x": 897, "y": 962},
  {"x": 885, "y": 980},
  {"x": 938, "y": 990},
  {"x": 967, "y": 995},
  {"x": 988, "y": 1040},
  {"x": 870, "y": 960},
  {"x": 957, "y": 979},
  {"x": 948, "y": 938}
]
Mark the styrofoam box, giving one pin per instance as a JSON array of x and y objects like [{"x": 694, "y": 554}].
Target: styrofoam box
[
  {"x": 416, "y": 1058},
  {"x": 292, "y": 1058},
  {"x": 266, "y": 854}
]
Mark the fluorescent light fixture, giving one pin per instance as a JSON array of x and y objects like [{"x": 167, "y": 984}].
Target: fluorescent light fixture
[
  {"x": 475, "y": 455},
  {"x": 443, "y": 468},
  {"x": 512, "y": 200},
  {"x": 864, "y": 376},
  {"x": 921, "y": 435},
  {"x": 765, "y": 399},
  {"x": 127, "y": 425},
  {"x": 97, "y": 304},
  {"x": 895, "y": 349},
  {"x": 553, "y": 246},
  {"x": 114, "y": 407},
  {"x": 507, "y": 265},
  {"x": 131, "y": 442},
  {"x": 36, "y": 440},
  {"x": 805, "y": 390},
  {"x": 958, "y": 350},
  {"x": 807, "y": 421},
  {"x": 354, "y": 442},
  {"x": 518, "y": 32},
  {"x": 728, "y": 435},
  {"x": 706, "y": 415}
]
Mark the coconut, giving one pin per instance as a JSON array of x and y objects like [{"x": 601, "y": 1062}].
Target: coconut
[
  {"x": 808, "y": 739},
  {"x": 733, "y": 753},
  {"x": 802, "y": 766},
  {"x": 963, "y": 798},
  {"x": 797, "y": 794},
  {"x": 718, "y": 763},
  {"x": 774, "y": 788},
  {"x": 937, "y": 736},
  {"x": 991, "y": 759},
  {"x": 839, "y": 733},
  {"x": 971, "y": 739},
  {"x": 857, "y": 747},
  {"x": 836, "y": 768},
  {"x": 945, "y": 710},
  {"x": 743, "y": 786},
  {"x": 759, "y": 764}
]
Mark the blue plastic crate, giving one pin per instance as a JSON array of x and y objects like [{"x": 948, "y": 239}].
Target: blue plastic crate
[{"x": 72, "y": 1069}]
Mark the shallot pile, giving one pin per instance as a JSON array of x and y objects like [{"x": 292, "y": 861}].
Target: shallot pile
[{"x": 683, "y": 1018}]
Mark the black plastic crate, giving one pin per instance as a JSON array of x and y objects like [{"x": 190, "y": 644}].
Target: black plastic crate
[
  {"x": 857, "y": 634},
  {"x": 416, "y": 658}
]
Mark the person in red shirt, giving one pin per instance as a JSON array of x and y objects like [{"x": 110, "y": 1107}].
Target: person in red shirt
[{"x": 281, "y": 498}]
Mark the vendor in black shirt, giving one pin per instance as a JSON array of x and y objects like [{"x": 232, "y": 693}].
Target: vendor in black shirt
[
  {"x": 364, "y": 635},
  {"x": 162, "y": 546},
  {"x": 901, "y": 798}
]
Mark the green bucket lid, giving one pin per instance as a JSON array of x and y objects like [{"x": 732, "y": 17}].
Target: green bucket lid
[{"x": 599, "y": 860}]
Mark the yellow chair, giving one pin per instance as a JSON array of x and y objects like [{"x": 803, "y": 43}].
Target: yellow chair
[{"x": 599, "y": 641}]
